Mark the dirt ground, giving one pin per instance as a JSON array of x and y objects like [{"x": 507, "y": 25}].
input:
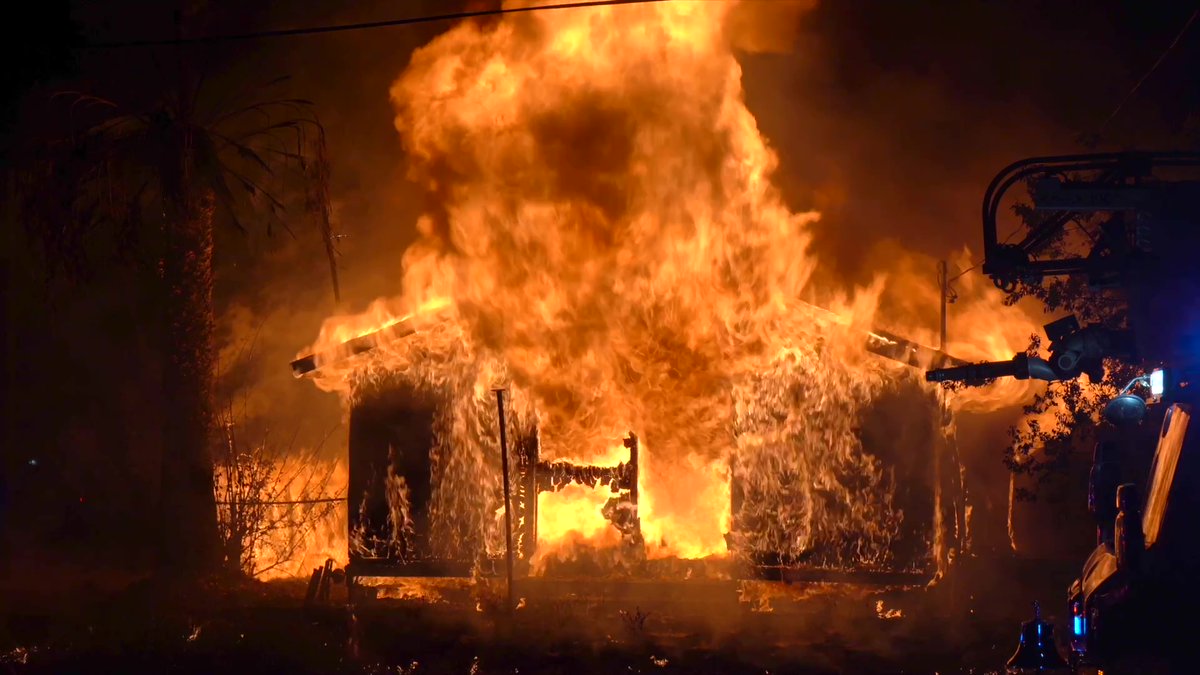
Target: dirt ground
[
  {"x": 965, "y": 623},
  {"x": 566, "y": 626}
]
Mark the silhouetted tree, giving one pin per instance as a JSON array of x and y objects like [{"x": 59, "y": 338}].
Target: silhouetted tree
[
  {"x": 1073, "y": 406},
  {"x": 272, "y": 496},
  {"x": 149, "y": 186}
]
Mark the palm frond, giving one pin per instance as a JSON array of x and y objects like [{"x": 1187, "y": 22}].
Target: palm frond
[
  {"x": 295, "y": 104},
  {"x": 248, "y": 154},
  {"x": 294, "y": 156},
  {"x": 129, "y": 230},
  {"x": 277, "y": 126},
  {"x": 219, "y": 108},
  {"x": 112, "y": 170},
  {"x": 72, "y": 190},
  {"x": 113, "y": 125},
  {"x": 81, "y": 98},
  {"x": 254, "y": 188},
  {"x": 200, "y": 79},
  {"x": 212, "y": 173},
  {"x": 296, "y": 126}
]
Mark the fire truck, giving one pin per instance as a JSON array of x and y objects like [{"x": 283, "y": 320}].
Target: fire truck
[{"x": 1136, "y": 595}]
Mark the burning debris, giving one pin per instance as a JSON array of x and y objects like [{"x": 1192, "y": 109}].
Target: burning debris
[
  {"x": 885, "y": 613},
  {"x": 17, "y": 655}
]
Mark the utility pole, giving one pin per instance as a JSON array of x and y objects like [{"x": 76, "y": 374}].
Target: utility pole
[
  {"x": 945, "y": 297},
  {"x": 944, "y": 287}
]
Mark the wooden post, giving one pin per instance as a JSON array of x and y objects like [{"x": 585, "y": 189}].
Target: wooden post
[
  {"x": 508, "y": 547},
  {"x": 959, "y": 508},
  {"x": 326, "y": 581}
]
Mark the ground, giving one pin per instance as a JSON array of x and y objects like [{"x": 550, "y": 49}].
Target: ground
[{"x": 582, "y": 626}]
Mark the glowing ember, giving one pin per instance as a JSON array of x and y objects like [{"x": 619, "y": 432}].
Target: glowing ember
[
  {"x": 884, "y": 613},
  {"x": 423, "y": 590}
]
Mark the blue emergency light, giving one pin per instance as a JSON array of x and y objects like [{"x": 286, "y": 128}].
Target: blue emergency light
[{"x": 1078, "y": 621}]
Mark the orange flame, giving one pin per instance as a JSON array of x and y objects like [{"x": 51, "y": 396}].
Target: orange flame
[
  {"x": 294, "y": 550},
  {"x": 572, "y": 517},
  {"x": 979, "y": 325},
  {"x": 607, "y": 240}
]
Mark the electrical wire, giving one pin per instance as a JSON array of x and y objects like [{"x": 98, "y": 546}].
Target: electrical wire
[
  {"x": 964, "y": 273},
  {"x": 1162, "y": 57},
  {"x": 341, "y": 28}
]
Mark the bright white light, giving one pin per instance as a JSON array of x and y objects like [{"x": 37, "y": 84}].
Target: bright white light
[{"x": 1156, "y": 382}]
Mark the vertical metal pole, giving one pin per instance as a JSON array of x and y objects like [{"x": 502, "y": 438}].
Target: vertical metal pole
[
  {"x": 944, "y": 286},
  {"x": 508, "y": 547}
]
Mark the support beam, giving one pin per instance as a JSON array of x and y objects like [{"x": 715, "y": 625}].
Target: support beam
[
  {"x": 353, "y": 347},
  {"x": 882, "y": 343}
]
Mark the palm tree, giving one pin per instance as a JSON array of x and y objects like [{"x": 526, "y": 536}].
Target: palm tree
[{"x": 152, "y": 185}]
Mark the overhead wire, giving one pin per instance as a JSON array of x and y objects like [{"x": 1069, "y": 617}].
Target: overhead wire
[
  {"x": 368, "y": 25},
  {"x": 1129, "y": 96},
  {"x": 1162, "y": 57}
]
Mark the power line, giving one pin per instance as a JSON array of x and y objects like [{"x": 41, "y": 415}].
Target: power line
[
  {"x": 341, "y": 28},
  {"x": 1162, "y": 57},
  {"x": 964, "y": 273}
]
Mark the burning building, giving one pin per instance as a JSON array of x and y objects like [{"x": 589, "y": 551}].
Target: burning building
[
  {"x": 602, "y": 240},
  {"x": 880, "y": 507}
]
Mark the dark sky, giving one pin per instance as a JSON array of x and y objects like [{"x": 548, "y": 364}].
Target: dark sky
[
  {"x": 889, "y": 117},
  {"x": 907, "y": 109}
]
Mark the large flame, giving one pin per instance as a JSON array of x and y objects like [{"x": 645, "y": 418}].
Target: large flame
[
  {"x": 980, "y": 326},
  {"x": 296, "y": 533},
  {"x": 603, "y": 235}
]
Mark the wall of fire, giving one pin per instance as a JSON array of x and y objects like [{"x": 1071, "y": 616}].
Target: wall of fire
[{"x": 409, "y": 514}]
